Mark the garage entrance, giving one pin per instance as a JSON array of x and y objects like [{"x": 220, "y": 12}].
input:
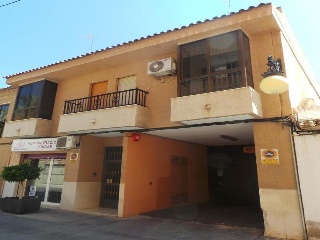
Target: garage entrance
[
  {"x": 232, "y": 188},
  {"x": 232, "y": 176}
]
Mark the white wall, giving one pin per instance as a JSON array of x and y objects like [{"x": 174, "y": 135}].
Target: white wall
[
  {"x": 10, "y": 189},
  {"x": 308, "y": 160}
]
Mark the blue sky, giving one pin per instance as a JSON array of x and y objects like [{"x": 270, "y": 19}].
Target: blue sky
[{"x": 36, "y": 33}]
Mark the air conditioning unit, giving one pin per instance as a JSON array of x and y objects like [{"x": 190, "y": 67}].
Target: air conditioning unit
[
  {"x": 162, "y": 67},
  {"x": 67, "y": 142}
]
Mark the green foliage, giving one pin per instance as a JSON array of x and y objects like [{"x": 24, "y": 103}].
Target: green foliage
[{"x": 19, "y": 173}]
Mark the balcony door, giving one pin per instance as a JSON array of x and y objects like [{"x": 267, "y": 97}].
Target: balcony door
[
  {"x": 96, "y": 90},
  {"x": 125, "y": 97}
]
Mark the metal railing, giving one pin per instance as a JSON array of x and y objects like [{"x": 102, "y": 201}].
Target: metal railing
[
  {"x": 217, "y": 82},
  {"x": 109, "y": 100},
  {"x": 226, "y": 81}
]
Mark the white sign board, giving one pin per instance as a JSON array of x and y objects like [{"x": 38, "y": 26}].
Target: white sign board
[
  {"x": 28, "y": 145},
  {"x": 32, "y": 192}
]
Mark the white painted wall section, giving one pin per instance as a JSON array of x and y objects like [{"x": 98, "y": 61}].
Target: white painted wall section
[{"x": 308, "y": 161}]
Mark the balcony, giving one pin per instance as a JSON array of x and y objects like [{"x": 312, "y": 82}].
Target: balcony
[
  {"x": 226, "y": 105},
  {"x": 27, "y": 128},
  {"x": 124, "y": 110}
]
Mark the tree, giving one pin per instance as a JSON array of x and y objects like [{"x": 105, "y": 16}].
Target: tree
[{"x": 20, "y": 173}]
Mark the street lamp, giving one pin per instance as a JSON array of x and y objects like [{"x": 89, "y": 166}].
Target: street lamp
[{"x": 274, "y": 82}]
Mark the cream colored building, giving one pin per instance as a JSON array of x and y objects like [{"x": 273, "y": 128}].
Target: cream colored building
[
  {"x": 167, "y": 119},
  {"x": 7, "y": 99}
]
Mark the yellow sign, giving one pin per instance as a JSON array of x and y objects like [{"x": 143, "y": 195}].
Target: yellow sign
[
  {"x": 269, "y": 156},
  {"x": 73, "y": 158}
]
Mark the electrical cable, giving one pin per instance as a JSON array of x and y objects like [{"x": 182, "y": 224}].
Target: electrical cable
[
  {"x": 162, "y": 81},
  {"x": 9, "y": 3}
]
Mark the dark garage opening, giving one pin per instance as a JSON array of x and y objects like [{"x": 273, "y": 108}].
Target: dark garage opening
[
  {"x": 233, "y": 187},
  {"x": 232, "y": 177},
  {"x": 233, "y": 192}
]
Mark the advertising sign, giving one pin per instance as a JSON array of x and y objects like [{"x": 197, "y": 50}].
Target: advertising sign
[
  {"x": 73, "y": 158},
  {"x": 269, "y": 156},
  {"x": 32, "y": 192},
  {"x": 40, "y": 144}
]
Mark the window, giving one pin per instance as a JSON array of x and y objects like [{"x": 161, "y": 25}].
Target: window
[
  {"x": 35, "y": 100},
  {"x": 127, "y": 83},
  {"x": 125, "y": 96},
  {"x": 216, "y": 63},
  {"x": 49, "y": 184},
  {"x": 3, "y": 114}
]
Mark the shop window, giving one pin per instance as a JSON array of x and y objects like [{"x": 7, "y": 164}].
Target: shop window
[
  {"x": 35, "y": 100},
  {"x": 216, "y": 63},
  {"x": 48, "y": 187}
]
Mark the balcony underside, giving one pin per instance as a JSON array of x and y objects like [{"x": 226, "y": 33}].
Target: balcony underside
[
  {"x": 27, "y": 128},
  {"x": 104, "y": 120},
  {"x": 220, "y": 106}
]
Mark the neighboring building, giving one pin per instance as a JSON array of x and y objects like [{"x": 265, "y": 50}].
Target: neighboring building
[
  {"x": 7, "y": 99},
  {"x": 141, "y": 137},
  {"x": 306, "y": 143}
]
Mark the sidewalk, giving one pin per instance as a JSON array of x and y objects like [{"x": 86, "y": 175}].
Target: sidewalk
[{"x": 57, "y": 224}]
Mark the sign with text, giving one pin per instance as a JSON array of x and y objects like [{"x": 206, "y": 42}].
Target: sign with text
[
  {"x": 269, "y": 156},
  {"x": 28, "y": 145}
]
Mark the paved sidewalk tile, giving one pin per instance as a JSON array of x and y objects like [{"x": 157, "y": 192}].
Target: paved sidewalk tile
[{"x": 52, "y": 224}]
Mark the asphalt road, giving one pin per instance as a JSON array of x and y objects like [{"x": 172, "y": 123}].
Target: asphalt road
[{"x": 65, "y": 225}]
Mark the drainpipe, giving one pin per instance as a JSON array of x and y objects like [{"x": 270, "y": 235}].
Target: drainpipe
[{"x": 295, "y": 163}]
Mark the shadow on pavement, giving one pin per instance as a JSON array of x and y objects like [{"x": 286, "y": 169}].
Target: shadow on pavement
[{"x": 233, "y": 216}]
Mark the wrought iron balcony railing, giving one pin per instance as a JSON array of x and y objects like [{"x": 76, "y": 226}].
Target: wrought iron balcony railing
[
  {"x": 217, "y": 82},
  {"x": 109, "y": 100}
]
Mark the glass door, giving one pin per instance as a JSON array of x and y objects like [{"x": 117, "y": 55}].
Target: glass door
[
  {"x": 41, "y": 183},
  {"x": 56, "y": 181},
  {"x": 48, "y": 187}
]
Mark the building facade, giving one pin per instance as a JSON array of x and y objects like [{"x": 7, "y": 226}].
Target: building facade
[
  {"x": 7, "y": 100},
  {"x": 177, "y": 117}
]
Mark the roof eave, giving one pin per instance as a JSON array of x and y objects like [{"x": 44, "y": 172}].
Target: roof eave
[{"x": 189, "y": 33}]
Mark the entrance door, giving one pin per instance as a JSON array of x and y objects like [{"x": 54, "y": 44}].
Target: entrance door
[
  {"x": 179, "y": 180},
  {"x": 96, "y": 90},
  {"x": 111, "y": 177},
  {"x": 49, "y": 185}
]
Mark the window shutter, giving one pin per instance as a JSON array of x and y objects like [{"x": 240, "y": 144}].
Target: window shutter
[{"x": 127, "y": 83}]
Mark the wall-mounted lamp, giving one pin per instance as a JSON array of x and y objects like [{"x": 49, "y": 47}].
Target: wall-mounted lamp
[{"x": 274, "y": 82}]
